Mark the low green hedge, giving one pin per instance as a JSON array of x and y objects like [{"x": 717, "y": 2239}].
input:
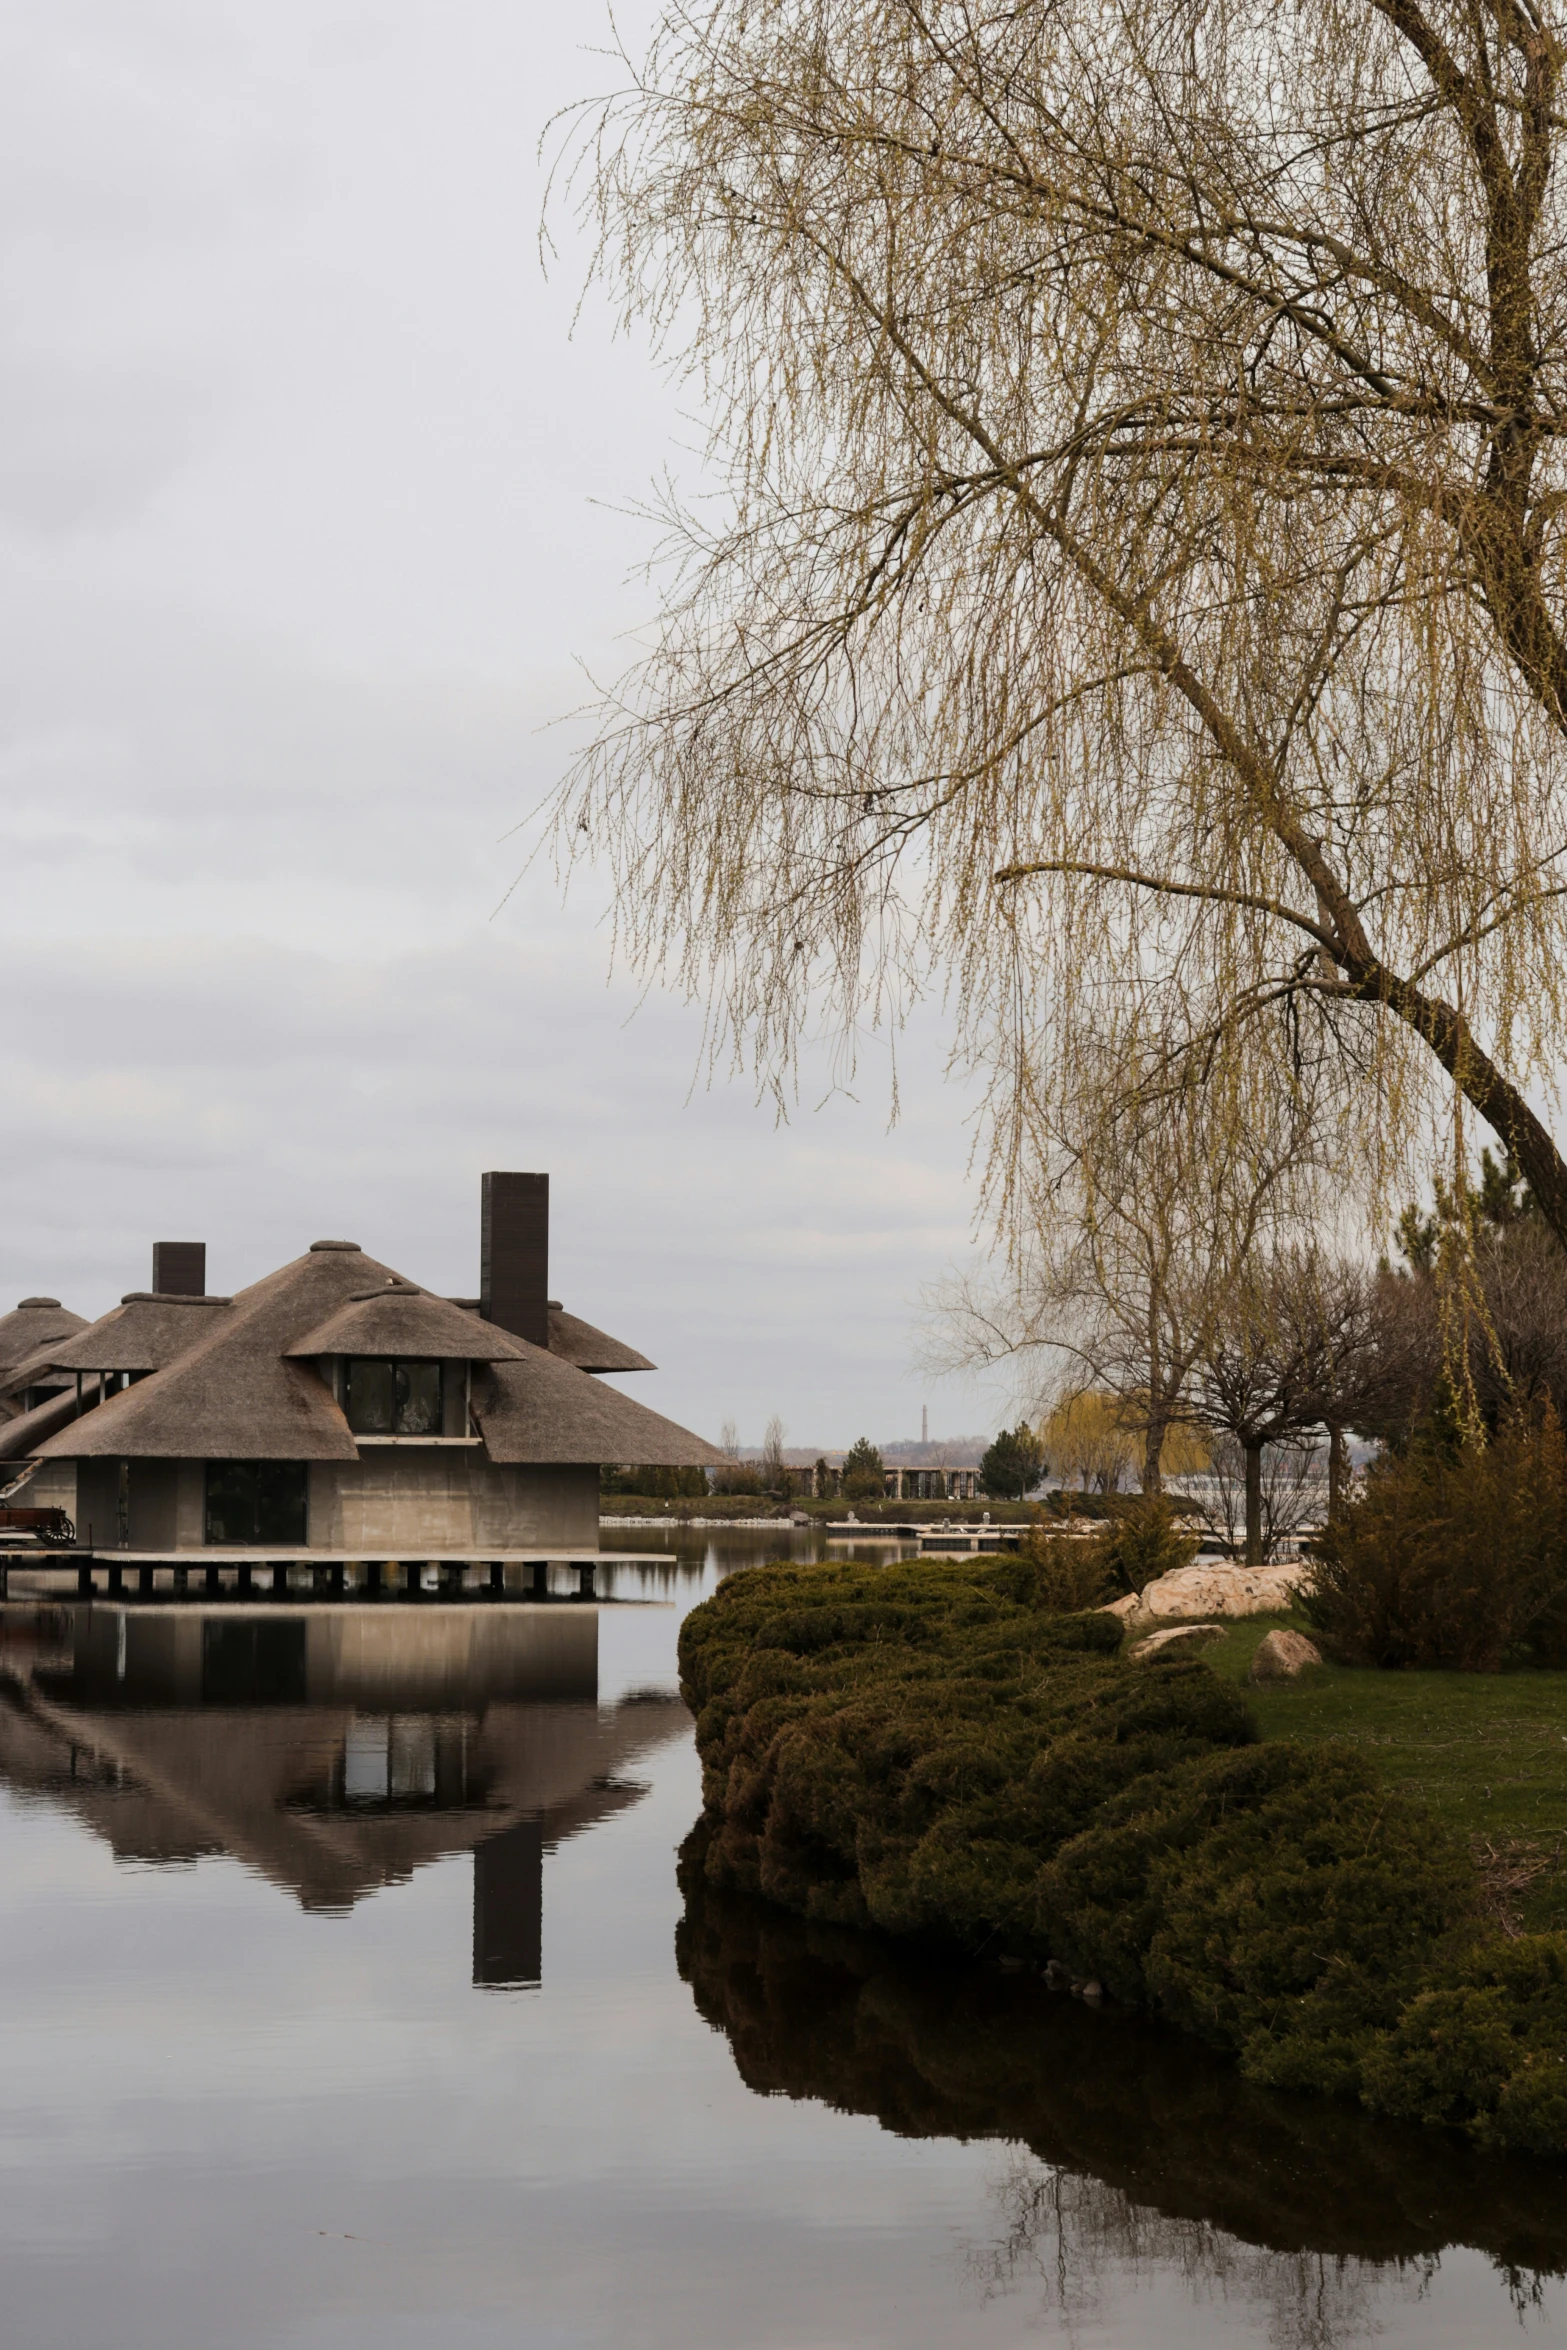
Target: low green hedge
[{"x": 928, "y": 1749}]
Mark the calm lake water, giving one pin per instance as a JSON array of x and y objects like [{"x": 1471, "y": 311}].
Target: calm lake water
[{"x": 350, "y": 1997}]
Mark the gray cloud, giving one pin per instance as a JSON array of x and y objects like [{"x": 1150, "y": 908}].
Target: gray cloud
[{"x": 307, "y": 516}]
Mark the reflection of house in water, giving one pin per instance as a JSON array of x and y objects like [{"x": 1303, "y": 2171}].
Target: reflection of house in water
[{"x": 332, "y": 1752}]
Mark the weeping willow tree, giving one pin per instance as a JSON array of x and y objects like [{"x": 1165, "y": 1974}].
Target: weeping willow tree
[{"x": 1132, "y": 590}]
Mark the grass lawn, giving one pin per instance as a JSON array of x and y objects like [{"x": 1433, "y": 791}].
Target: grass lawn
[{"x": 1487, "y": 1752}]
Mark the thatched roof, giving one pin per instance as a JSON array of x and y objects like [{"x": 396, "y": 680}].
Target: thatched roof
[
  {"x": 591, "y": 1350},
  {"x": 142, "y": 1333},
  {"x": 398, "y": 1319},
  {"x": 232, "y": 1395},
  {"x": 34, "y": 1324},
  {"x": 21, "y": 1437},
  {"x": 576, "y": 1341},
  {"x": 232, "y": 1379},
  {"x": 544, "y": 1410}
]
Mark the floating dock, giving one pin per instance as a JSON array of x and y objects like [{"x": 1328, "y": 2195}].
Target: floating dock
[{"x": 932, "y": 1538}]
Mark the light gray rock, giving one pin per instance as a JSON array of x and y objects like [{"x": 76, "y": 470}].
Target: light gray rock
[
  {"x": 1177, "y": 1636},
  {"x": 1284, "y": 1656}
]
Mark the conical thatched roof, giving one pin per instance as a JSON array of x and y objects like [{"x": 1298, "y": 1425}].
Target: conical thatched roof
[
  {"x": 542, "y": 1409},
  {"x": 232, "y": 1395},
  {"x": 398, "y": 1319},
  {"x": 232, "y": 1379},
  {"x": 34, "y": 1324}
]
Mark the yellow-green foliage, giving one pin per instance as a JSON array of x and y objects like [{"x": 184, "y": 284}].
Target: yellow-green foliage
[{"x": 933, "y": 1750}]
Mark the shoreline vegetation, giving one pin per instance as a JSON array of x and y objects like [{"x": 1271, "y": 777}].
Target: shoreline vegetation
[
  {"x": 1308, "y": 1879},
  {"x": 717, "y": 1509}
]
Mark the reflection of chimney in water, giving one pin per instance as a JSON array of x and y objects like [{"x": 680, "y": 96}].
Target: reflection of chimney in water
[{"x": 508, "y": 1907}]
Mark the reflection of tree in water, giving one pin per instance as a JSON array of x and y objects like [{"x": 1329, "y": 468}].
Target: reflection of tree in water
[
  {"x": 1148, "y": 2151},
  {"x": 1069, "y": 2233}
]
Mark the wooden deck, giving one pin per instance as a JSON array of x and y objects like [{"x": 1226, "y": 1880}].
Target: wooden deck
[{"x": 34, "y": 1571}]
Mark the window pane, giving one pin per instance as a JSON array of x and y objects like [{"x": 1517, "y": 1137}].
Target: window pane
[
  {"x": 369, "y": 1397},
  {"x": 418, "y": 1399},
  {"x": 231, "y": 1501},
  {"x": 282, "y": 1488}
]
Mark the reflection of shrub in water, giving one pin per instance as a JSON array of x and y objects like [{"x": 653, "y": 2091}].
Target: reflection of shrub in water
[{"x": 1170, "y": 2154}]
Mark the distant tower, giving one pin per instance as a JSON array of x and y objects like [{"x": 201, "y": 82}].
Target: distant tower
[{"x": 924, "y": 1423}]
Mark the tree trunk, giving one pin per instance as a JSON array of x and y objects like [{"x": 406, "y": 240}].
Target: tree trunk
[
  {"x": 1153, "y": 1454},
  {"x": 1253, "y": 1451},
  {"x": 1335, "y": 1473}
]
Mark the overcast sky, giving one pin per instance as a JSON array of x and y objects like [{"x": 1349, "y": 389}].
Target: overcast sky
[{"x": 308, "y": 513}]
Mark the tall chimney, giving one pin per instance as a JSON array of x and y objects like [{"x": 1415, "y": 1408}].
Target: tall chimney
[
  {"x": 179, "y": 1268},
  {"x": 514, "y": 1254}
]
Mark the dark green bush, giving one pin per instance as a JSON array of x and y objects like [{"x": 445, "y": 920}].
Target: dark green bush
[
  {"x": 933, "y": 1750},
  {"x": 1487, "y": 2052},
  {"x": 1144, "y": 1540},
  {"x": 1066, "y": 1573},
  {"x": 1452, "y": 1555}
]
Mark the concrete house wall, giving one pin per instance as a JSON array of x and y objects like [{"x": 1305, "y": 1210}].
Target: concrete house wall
[
  {"x": 411, "y": 1497},
  {"x": 396, "y": 1498}
]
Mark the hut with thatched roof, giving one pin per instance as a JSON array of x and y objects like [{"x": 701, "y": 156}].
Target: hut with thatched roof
[
  {"x": 28, "y": 1334},
  {"x": 337, "y": 1408}
]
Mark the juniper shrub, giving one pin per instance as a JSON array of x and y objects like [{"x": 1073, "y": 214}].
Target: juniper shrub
[
  {"x": 1453, "y": 1554},
  {"x": 934, "y": 1750}
]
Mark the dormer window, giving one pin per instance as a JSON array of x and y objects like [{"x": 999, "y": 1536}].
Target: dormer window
[{"x": 392, "y": 1398}]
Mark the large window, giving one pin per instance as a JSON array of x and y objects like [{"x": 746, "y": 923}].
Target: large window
[
  {"x": 257, "y": 1501},
  {"x": 393, "y": 1399}
]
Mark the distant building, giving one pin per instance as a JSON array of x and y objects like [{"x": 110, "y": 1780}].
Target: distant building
[
  {"x": 332, "y": 1407},
  {"x": 948, "y": 1484}
]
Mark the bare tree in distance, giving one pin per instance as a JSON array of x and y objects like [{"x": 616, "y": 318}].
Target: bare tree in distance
[
  {"x": 1136, "y": 1243},
  {"x": 1136, "y": 589},
  {"x": 775, "y": 1473},
  {"x": 1254, "y": 1384}
]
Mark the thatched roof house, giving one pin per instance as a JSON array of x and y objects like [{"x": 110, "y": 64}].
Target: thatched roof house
[
  {"x": 336, "y": 1407},
  {"x": 27, "y": 1336}
]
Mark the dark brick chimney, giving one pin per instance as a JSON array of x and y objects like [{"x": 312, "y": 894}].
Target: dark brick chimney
[
  {"x": 179, "y": 1268},
  {"x": 514, "y": 1254}
]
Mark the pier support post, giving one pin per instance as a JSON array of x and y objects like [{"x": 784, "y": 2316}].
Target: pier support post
[
  {"x": 373, "y": 1578},
  {"x": 336, "y": 1579},
  {"x": 144, "y": 1581},
  {"x": 181, "y": 1581},
  {"x": 212, "y": 1581},
  {"x": 244, "y": 1579},
  {"x": 116, "y": 1580},
  {"x": 497, "y": 1578},
  {"x": 413, "y": 1577},
  {"x": 280, "y": 1579},
  {"x": 538, "y": 1573},
  {"x": 84, "y": 1581},
  {"x": 451, "y": 1578},
  {"x": 585, "y": 1588}
]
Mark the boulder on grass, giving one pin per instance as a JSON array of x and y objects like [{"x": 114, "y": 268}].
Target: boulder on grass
[
  {"x": 1284, "y": 1656},
  {"x": 1178, "y": 1636}
]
